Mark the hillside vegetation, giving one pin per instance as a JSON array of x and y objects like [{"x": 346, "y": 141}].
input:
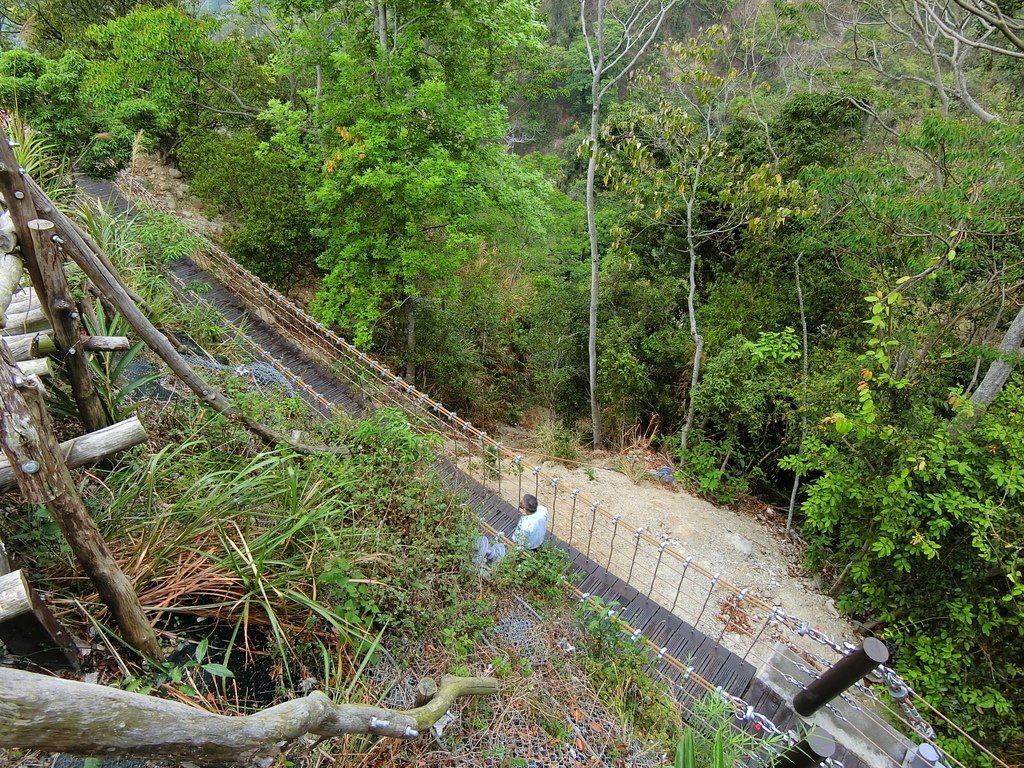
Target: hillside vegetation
[{"x": 802, "y": 269}]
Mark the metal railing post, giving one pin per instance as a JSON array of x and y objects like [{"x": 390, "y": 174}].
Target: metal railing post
[
  {"x": 636, "y": 546},
  {"x": 611, "y": 546},
  {"x": 840, "y": 676}
]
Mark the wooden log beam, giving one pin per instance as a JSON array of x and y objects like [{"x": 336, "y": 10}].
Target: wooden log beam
[
  {"x": 28, "y": 627},
  {"x": 89, "y": 448},
  {"x": 106, "y": 344},
  {"x": 27, "y": 440},
  {"x": 11, "y": 270},
  {"x": 39, "y": 367},
  {"x": 38, "y": 712},
  {"x": 21, "y": 208},
  {"x": 29, "y": 321},
  {"x": 24, "y": 298},
  {"x": 32, "y": 345},
  {"x": 8, "y": 237}
]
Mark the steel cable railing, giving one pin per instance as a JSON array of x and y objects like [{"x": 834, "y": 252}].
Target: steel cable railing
[{"x": 663, "y": 573}]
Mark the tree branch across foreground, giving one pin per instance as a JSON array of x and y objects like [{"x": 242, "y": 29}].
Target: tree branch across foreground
[{"x": 56, "y": 715}]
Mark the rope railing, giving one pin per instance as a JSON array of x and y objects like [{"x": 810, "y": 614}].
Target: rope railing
[{"x": 735, "y": 616}]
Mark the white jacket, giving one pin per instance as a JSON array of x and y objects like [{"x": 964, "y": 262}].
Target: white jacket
[{"x": 531, "y": 529}]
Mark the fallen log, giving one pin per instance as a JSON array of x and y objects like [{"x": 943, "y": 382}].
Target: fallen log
[
  {"x": 89, "y": 448},
  {"x": 38, "y": 712}
]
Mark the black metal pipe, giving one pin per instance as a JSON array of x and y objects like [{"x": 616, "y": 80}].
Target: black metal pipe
[
  {"x": 840, "y": 676},
  {"x": 815, "y": 748}
]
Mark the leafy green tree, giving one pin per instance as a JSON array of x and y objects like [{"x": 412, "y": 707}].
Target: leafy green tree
[
  {"x": 51, "y": 95},
  {"x": 179, "y": 66},
  {"x": 55, "y": 26},
  {"x": 407, "y": 144},
  {"x": 916, "y": 506}
]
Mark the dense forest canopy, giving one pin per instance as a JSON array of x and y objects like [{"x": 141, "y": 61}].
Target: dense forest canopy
[{"x": 808, "y": 218}]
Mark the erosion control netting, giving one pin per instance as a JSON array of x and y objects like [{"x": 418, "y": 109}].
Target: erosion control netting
[{"x": 547, "y": 713}]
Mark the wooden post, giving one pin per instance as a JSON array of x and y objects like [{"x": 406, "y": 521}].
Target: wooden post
[
  {"x": 28, "y": 627},
  {"x": 33, "y": 345},
  {"x": 28, "y": 442},
  {"x": 22, "y": 209},
  {"x": 66, "y": 325},
  {"x": 89, "y": 448},
  {"x": 46, "y": 268},
  {"x": 426, "y": 689}
]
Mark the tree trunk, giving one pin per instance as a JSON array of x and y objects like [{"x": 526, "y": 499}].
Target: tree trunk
[
  {"x": 28, "y": 442},
  {"x": 597, "y": 73},
  {"x": 691, "y": 308},
  {"x": 996, "y": 377},
  {"x": 381, "y": 23},
  {"x": 595, "y": 267},
  {"x": 89, "y": 448},
  {"x": 806, "y": 372},
  {"x": 51, "y": 714},
  {"x": 691, "y": 411},
  {"x": 963, "y": 89},
  {"x": 410, "y": 341}
]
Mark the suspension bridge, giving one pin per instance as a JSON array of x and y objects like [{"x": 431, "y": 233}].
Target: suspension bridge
[{"x": 707, "y": 636}]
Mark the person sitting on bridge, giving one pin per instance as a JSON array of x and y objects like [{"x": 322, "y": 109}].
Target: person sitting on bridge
[
  {"x": 529, "y": 534},
  {"x": 533, "y": 525}
]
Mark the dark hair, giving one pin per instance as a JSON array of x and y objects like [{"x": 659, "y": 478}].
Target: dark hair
[{"x": 530, "y": 502}]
